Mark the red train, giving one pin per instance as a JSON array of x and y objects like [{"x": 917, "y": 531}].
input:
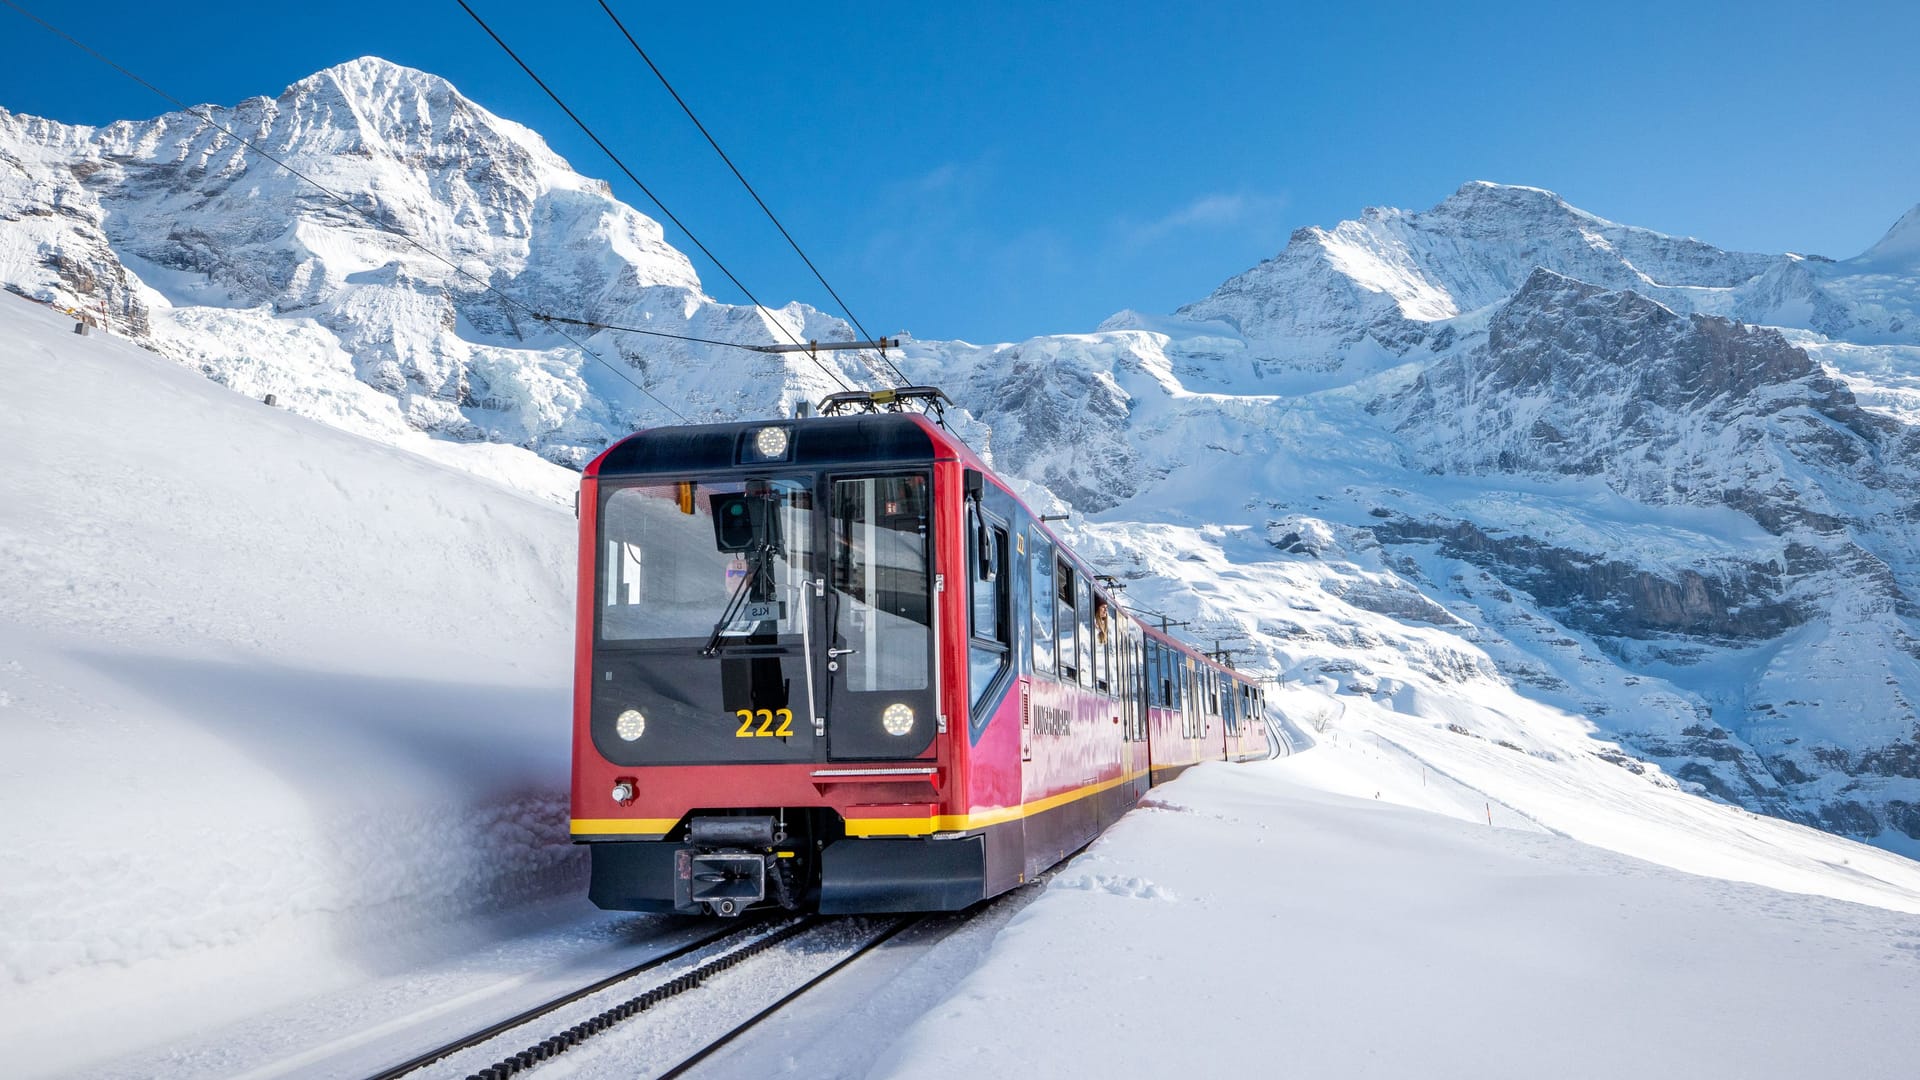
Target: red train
[{"x": 834, "y": 664}]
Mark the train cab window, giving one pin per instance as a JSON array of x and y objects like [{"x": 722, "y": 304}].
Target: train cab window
[
  {"x": 1063, "y": 621},
  {"x": 989, "y": 650},
  {"x": 882, "y": 602},
  {"x": 673, "y": 555},
  {"x": 1040, "y": 600}
]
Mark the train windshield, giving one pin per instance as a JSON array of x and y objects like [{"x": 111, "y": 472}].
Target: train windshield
[{"x": 719, "y": 562}]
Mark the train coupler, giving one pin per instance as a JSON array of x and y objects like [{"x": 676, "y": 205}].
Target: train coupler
[{"x": 726, "y": 882}]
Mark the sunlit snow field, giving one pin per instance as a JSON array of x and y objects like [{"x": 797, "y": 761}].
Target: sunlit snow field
[{"x": 283, "y": 733}]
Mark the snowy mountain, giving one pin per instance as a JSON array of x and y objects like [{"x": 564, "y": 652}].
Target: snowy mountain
[
  {"x": 1502, "y": 465},
  {"x": 1397, "y": 277},
  {"x": 190, "y": 242}
]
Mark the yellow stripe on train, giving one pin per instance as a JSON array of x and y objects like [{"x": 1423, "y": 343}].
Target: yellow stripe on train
[
  {"x": 653, "y": 828},
  {"x": 978, "y": 819},
  {"x": 646, "y": 827}
]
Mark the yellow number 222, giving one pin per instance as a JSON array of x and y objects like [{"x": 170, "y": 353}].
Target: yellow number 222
[{"x": 766, "y": 718}]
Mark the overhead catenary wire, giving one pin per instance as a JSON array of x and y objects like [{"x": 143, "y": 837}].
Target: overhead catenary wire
[
  {"x": 644, "y": 189},
  {"x": 737, "y": 175},
  {"x": 366, "y": 215}
]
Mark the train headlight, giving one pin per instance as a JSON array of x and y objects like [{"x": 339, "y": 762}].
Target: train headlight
[
  {"x": 623, "y": 792},
  {"x": 631, "y": 725},
  {"x": 771, "y": 443},
  {"x": 897, "y": 719}
]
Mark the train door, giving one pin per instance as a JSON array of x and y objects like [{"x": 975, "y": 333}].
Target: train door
[
  {"x": 1134, "y": 714},
  {"x": 879, "y": 604}
]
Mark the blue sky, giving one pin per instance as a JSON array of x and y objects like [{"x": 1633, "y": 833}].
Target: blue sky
[{"x": 991, "y": 171}]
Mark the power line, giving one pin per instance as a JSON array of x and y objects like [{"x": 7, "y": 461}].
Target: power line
[
  {"x": 644, "y": 189},
  {"x": 367, "y": 215},
  {"x": 791, "y": 242}
]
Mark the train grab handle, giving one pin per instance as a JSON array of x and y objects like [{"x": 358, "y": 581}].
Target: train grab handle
[{"x": 819, "y": 587}]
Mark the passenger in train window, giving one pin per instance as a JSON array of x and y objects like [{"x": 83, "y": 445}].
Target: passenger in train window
[{"x": 1103, "y": 648}]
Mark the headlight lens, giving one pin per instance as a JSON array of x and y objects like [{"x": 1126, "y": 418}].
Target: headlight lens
[
  {"x": 770, "y": 442},
  {"x": 898, "y": 719},
  {"x": 631, "y": 725}
]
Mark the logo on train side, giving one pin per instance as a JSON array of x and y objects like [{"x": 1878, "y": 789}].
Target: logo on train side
[{"x": 1052, "y": 720}]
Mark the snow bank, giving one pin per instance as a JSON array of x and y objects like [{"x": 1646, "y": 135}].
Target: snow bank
[{"x": 275, "y": 702}]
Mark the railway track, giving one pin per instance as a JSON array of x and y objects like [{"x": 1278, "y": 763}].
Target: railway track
[{"x": 795, "y": 956}]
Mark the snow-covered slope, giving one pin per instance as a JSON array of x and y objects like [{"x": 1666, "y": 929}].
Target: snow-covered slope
[
  {"x": 274, "y": 700},
  {"x": 1499, "y": 446},
  {"x": 1355, "y": 938}
]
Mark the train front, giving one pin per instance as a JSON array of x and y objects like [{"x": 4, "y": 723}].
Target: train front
[{"x": 756, "y": 670}]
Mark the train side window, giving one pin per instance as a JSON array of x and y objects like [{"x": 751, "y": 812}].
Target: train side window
[
  {"x": 1102, "y": 644},
  {"x": 989, "y": 584},
  {"x": 1153, "y": 673},
  {"x": 1164, "y": 673},
  {"x": 989, "y": 652},
  {"x": 1135, "y": 663},
  {"x": 1040, "y": 601},
  {"x": 1070, "y": 666},
  {"x": 1085, "y": 635},
  {"x": 1191, "y": 700},
  {"x": 1116, "y": 675}
]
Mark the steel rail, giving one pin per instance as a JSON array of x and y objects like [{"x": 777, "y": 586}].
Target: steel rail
[
  {"x": 561, "y": 1042},
  {"x": 491, "y": 1031},
  {"x": 745, "y": 1025}
]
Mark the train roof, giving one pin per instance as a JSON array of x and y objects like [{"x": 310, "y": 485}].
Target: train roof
[{"x": 868, "y": 438}]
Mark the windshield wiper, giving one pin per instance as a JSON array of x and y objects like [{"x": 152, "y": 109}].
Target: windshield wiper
[{"x": 759, "y": 569}]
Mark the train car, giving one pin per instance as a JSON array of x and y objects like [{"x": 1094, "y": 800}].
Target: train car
[{"x": 833, "y": 663}]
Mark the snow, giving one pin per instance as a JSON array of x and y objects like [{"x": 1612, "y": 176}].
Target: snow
[
  {"x": 281, "y": 700},
  {"x": 1250, "y": 921},
  {"x": 273, "y": 699}
]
